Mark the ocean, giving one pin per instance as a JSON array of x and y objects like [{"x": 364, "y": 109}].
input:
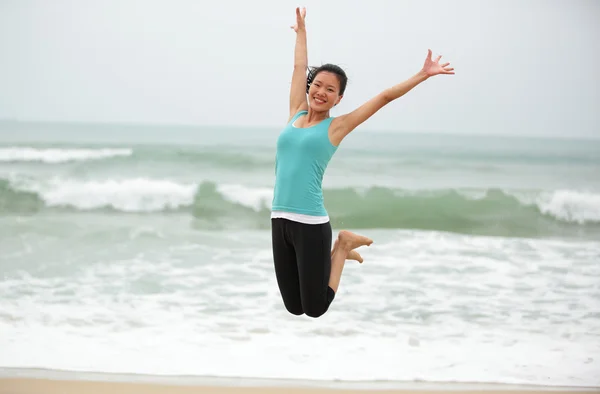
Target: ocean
[{"x": 144, "y": 249}]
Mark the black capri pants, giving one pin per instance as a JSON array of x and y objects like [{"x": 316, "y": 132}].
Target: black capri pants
[{"x": 302, "y": 257}]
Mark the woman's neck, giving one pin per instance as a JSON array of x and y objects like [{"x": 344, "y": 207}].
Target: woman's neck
[{"x": 314, "y": 117}]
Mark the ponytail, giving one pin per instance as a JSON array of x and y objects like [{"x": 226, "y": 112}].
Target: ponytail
[{"x": 312, "y": 73}]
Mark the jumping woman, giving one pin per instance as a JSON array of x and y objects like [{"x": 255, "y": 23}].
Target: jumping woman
[{"x": 307, "y": 269}]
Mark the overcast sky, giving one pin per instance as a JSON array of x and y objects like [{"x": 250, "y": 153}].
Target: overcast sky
[{"x": 525, "y": 67}]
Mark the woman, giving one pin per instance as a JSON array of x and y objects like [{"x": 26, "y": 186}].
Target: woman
[{"x": 308, "y": 272}]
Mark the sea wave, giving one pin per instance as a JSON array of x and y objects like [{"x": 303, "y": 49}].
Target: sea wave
[
  {"x": 446, "y": 307},
  {"x": 487, "y": 211},
  {"x": 116, "y": 156},
  {"x": 59, "y": 155}
]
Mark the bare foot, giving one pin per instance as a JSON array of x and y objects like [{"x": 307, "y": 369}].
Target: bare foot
[
  {"x": 352, "y": 241},
  {"x": 352, "y": 255}
]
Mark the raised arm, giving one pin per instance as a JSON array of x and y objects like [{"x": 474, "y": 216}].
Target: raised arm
[
  {"x": 298, "y": 89},
  {"x": 343, "y": 125}
]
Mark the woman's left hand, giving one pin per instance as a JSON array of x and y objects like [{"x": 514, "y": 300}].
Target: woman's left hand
[
  {"x": 433, "y": 67},
  {"x": 300, "y": 16}
]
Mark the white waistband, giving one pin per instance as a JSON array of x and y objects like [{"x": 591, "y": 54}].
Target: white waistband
[{"x": 301, "y": 218}]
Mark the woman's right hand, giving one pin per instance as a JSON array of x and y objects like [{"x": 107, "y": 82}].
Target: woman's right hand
[{"x": 300, "y": 16}]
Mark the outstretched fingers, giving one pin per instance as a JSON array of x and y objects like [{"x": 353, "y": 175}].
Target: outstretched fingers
[
  {"x": 300, "y": 15},
  {"x": 448, "y": 70},
  {"x": 444, "y": 66},
  {"x": 434, "y": 67}
]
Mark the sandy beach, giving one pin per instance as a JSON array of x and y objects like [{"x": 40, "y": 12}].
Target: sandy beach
[
  {"x": 21, "y": 381},
  {"x": 47, "y": 386}
]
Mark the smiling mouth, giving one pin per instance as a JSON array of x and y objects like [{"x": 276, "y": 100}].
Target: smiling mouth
[{"x": 319, "y": 101}]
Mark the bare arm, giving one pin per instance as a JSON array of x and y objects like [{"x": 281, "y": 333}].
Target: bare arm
[
  {"x": 298, "y": 89},
  {"x": 343, "y": 125}
]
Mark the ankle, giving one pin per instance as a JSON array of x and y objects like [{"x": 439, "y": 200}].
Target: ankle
[{"x": 344, "y": 244}]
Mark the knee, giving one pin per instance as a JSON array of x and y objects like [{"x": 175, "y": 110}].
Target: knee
[
  {"x": 294, "y": 309},
  {"x": 319, "y": 308},
  {"x": 315, "y": 315},
  {"x": 315, "y": 312}
]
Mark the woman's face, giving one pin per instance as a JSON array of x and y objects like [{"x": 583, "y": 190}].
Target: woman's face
[{"x": 323, "y": 93}]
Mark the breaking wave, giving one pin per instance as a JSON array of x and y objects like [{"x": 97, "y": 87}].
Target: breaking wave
[{"x": 486, "y": 212}]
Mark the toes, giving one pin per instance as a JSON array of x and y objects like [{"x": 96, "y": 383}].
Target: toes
[{"x": 354, "y": 255}]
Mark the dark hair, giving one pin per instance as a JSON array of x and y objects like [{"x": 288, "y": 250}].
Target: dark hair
[{"x": 332, "y": 68}]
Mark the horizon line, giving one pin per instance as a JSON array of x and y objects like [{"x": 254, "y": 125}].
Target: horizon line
[{"x": 264, "y": 127}]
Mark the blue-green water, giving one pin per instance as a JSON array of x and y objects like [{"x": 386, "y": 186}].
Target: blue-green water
[
  {"x": 475, "y": 185},
  {"x": 152, "y": 243}
]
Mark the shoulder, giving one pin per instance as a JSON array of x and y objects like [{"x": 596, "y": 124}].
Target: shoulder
[
  {"x": 296, "y": 115},
  {"x": 336, "y": 129},
  {"x": 338, "y": 122}
]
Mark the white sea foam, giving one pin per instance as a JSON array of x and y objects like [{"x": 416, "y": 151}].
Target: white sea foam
[
  {"x": 567, "y": 205},
  {"x": 59, "y": 155},
  {"x": 256, "y": 198},
  {"x": 448, "y": 308},
  {"x": 128, "y": 195},
  {"x": 572, "y": 206},
  {"x": 136, "y": 194},
  {"x": 151, "y": 195}
]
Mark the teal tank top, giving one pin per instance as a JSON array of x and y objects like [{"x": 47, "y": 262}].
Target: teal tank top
[{"x": 301, "y": 159}]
